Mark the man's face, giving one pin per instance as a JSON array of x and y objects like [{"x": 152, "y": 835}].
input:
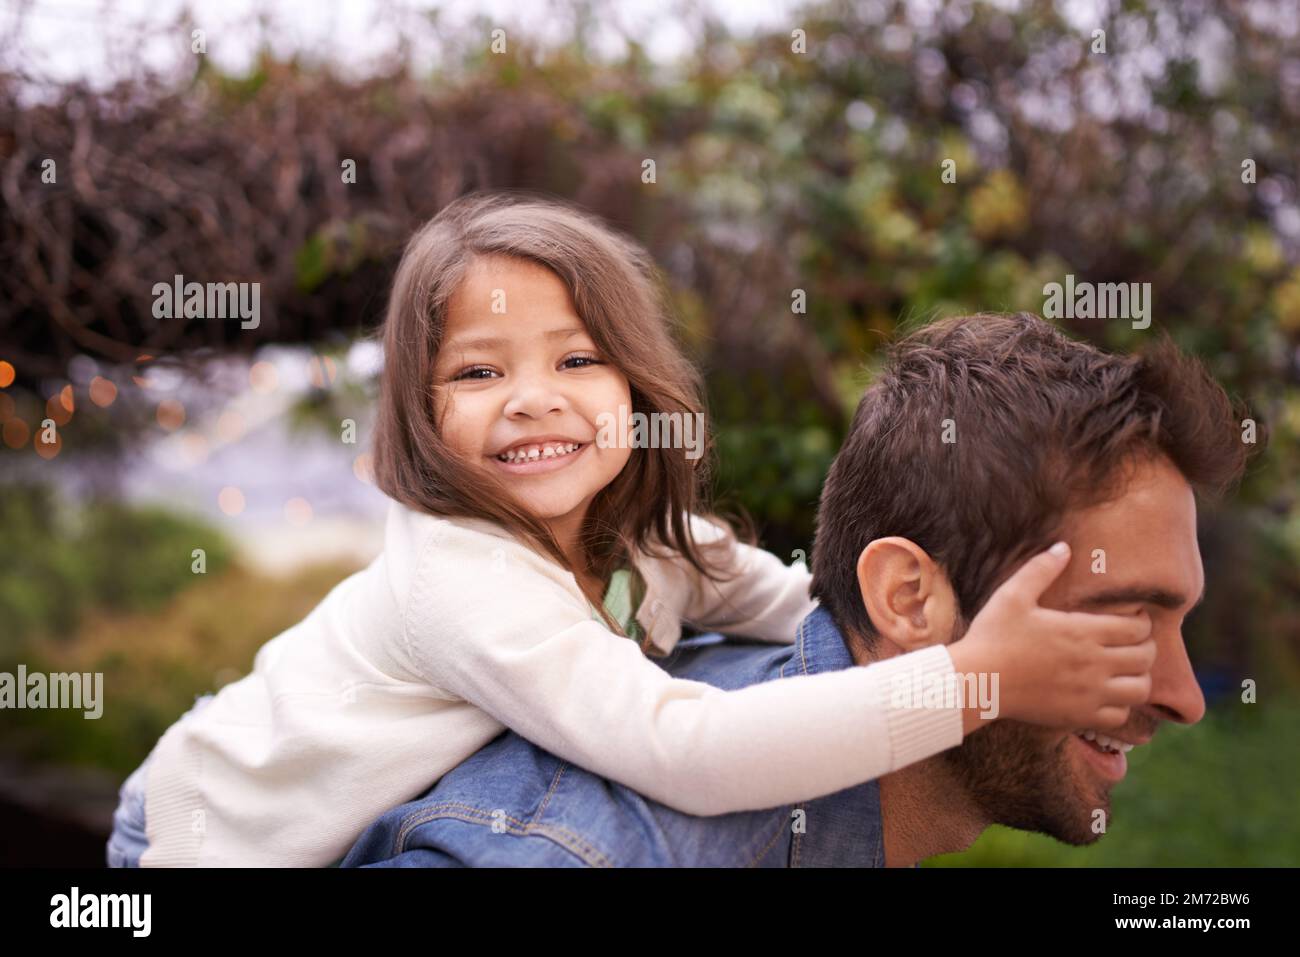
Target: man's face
[{"x": 1052, "y": 781}]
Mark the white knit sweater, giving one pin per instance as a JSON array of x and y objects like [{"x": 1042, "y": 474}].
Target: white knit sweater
[{"x": 457, "y": 631}]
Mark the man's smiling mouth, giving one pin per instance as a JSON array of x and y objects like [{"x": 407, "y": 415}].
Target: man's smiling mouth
[
  {"x": 1105, "y": 742},
  {"x": 1107, "y": 754}
]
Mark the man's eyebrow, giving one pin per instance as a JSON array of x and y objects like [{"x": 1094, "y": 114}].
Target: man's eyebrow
[
  {"x": 489, "y": 342},
  {"x": 1159, "y": 597}
]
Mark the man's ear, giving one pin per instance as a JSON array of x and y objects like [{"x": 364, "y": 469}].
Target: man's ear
[{"x": 907, "y": 596}]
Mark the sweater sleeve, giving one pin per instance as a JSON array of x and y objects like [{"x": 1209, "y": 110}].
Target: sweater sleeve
[
  {"x": 514, "y": 642},
  {"x": 763, "y": 597}
]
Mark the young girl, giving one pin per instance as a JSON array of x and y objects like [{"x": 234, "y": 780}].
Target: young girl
[{"x": 533, "y": 558}]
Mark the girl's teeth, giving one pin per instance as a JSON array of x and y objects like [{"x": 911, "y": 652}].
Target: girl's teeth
[{"x": 538, "y": 452}]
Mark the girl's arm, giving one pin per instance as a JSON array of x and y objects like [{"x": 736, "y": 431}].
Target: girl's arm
[
  {"x": 513, "y": 639},
  {"x": 766, "y": 599}
]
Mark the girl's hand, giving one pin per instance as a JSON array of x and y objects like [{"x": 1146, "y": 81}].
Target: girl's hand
[{"x": 1058, "y": 669}]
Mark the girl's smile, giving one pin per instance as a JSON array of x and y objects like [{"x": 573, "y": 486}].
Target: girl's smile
[{"x": 543, "y": 455}]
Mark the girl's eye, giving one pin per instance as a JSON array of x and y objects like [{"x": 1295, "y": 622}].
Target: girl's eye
[
  {"x": 475, "y": 372},
  {"x": 470, "y": 373}
]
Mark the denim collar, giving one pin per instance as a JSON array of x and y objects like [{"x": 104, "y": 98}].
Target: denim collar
[
  {"x": 821, "y": 647},
  {"x": 852, "y": 832}
]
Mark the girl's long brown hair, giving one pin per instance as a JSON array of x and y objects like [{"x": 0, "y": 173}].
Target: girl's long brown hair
[{"x": 617, "y": 293}]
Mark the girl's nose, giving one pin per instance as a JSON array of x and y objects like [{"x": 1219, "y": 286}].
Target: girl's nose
[{"x": 534, "y": 398}]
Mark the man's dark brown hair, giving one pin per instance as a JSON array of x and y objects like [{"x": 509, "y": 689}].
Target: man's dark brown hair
[{"x": 983, "y": 430}]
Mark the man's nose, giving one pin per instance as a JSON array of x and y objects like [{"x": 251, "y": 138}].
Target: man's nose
[{"x": 1175, "y": 693}]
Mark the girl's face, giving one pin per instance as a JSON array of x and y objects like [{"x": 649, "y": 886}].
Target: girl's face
[{"x": 518, "y": 373}]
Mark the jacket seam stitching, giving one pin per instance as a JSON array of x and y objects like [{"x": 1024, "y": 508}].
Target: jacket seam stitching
[
  {"x": 768, "y": 846},
  {"x": 796, "y": 843},
  {"x": 569, "y": 840},
  {"x": 555, "y": 783},
  {"x": 803, "y": 637}
]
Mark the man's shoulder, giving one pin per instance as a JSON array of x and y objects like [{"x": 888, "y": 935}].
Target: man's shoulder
[
  {"x": 513, "y": 804},
  {"x": 512, "y": 801},
  {"x": 729, "y": 663}
]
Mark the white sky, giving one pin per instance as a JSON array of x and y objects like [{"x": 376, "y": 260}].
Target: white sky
[{"x": 60, "y": 40}]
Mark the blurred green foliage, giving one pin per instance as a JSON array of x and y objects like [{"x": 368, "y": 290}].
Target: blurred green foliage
[
  {"x": 58, "y": 565},
  {"x": 155, "y": 663},
  {"x": 97, "y": 588}
]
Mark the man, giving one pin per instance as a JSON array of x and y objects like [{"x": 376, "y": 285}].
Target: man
[{"x": 985, "y": 439}]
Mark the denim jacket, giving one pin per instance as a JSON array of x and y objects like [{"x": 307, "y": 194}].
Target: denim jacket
[{"x": 512, "y": 804}]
